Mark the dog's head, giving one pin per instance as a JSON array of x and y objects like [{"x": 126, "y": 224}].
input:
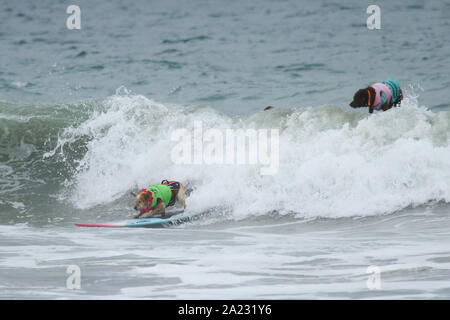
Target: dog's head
[
  {"x": 142, "y": 200},
  {"x": 361, "y": 98}
]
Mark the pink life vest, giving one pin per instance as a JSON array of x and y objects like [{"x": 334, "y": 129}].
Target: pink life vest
[{"x": 379, "y": 88}]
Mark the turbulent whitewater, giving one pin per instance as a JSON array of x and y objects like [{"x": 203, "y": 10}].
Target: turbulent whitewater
[
  {"x": 334, "y": 162},
  {"x": 86, "y": 116}
]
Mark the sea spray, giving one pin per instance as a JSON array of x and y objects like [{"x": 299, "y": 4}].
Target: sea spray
[{"x": 333, "y": 163}]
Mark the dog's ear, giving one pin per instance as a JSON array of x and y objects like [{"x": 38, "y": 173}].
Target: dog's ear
[{"x": 133, "y": 194}]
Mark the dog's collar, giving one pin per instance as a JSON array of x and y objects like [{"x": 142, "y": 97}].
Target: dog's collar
[{"x": 368, "y": 91}]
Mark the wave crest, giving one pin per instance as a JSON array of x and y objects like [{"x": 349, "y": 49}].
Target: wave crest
[{"x": 334, "y": 162}]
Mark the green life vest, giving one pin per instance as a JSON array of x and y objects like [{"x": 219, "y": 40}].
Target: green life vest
[{"x": 159, "y": 191}]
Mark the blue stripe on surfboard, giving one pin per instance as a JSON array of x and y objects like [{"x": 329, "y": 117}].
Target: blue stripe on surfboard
[
  {"x": 157, "y": 221},
  {"x": 143, "y": 222}
]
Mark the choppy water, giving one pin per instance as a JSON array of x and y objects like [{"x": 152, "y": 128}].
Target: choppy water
[{"x": 86, "y": 117}]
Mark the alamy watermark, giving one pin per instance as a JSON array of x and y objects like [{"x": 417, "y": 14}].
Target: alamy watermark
[
  {"x": 74, "y": 20},
  {"x": 374, "y": 20},
  {"x": 74, "y": 279},
  {"x": 234, "y": 146},
  {"x": 374, "y": 280}
]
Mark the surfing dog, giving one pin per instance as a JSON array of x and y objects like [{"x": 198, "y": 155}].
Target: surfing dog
[
  {"x": 157, "y": 197},
  {"x": 379, "y": 96}
]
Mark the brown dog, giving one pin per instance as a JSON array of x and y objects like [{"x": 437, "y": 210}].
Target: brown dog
[
  {"x": 157, "y": 197},
  {"x": 379, "y": 96}
]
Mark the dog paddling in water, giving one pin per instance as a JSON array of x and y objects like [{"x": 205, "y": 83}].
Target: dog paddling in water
[
  {"x": 157, "y": 197},
  {"x": 379, "y": 96}
]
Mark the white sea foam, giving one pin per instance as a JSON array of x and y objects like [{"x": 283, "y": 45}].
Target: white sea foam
[{"x": 334, "y": 162}]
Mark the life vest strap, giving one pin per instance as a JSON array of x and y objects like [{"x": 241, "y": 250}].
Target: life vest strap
[{"x": 174, "y": 187}]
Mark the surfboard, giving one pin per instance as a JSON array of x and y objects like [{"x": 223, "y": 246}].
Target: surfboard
[{"x": 153, "y": 222}]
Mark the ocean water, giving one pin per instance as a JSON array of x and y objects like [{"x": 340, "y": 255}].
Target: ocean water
[{"x": 87, "y": 116}]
